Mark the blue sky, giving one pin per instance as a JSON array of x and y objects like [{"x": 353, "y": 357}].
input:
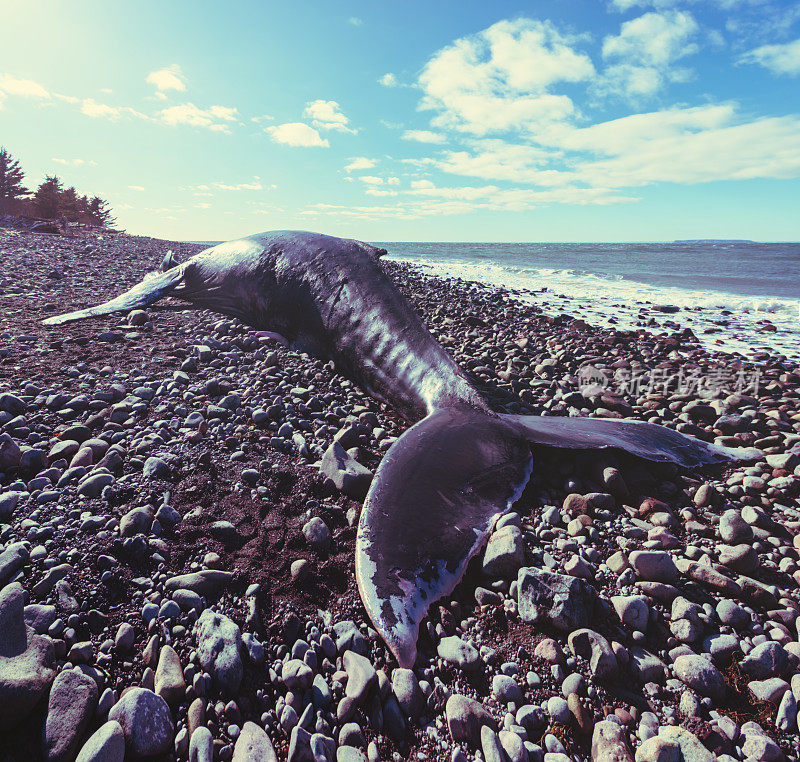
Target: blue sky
[{"x": 615, "y": 120}]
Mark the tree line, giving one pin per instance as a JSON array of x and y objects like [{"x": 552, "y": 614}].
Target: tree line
[{"x": 51, "y": 200}]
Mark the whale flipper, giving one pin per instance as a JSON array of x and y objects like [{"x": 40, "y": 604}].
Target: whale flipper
[
  {"x": 645, "y": 440},
  {"x": 431, "y": 506},
  {"x": 443, "y": 484},
  {"x": 154, "y": 286}
]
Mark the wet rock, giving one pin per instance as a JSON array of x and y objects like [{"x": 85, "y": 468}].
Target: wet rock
[
  {"x": 560, "y": 600},
  {"x": 146, "y": 722},
  {"x": 219, "y": 642}
]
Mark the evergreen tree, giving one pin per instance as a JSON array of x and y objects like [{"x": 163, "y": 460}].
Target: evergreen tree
[
  {"x": 11, "y": 176},
  {"x": 69, "y": 204},
  {"x": 48, "y": 197},
  {"x": 100, "y": 212}
]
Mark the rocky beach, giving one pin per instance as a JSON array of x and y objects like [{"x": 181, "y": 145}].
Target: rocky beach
[{"x": 179, "y": 496}]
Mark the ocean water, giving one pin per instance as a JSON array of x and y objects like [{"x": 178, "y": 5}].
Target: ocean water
[{"x": 737, "y": 296}]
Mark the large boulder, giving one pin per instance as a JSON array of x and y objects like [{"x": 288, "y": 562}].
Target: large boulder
[
  {"x": 26, "y": 660},
  {"x": 72, "y": 702}
]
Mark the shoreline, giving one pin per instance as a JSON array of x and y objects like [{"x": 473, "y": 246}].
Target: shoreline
[{"x": 211, "y": 400}]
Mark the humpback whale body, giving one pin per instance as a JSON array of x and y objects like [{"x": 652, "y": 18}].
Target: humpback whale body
[{"x": 442, "y": 485}]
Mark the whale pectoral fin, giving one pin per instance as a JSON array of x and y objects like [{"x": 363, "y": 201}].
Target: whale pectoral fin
[
  {"x": 431, "y": 506},
  {"x": 151, "y": 289},
  {"x": 645, "y": 440}
]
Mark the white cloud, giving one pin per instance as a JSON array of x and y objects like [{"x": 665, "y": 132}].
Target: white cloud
[
  {"x": 388, "y": 80},
  {"x": 645, "y": 50},
  {"x": 499, "y": 160},
  {"x": 355, "y": 21},
  {"x": 498, "y": 79},
  {"x": 424, "y": 136},
  {"x": 96, "y": 110},
  {"x": 74, "y": 162},
  {"x": 216, "y": 118},
  {"x": 297, "y": 134},
  {"x": 360, "y": 162},
  {"x": 371, "y": 180},
  {"x": 25, "y": 88},
  {"x": 137, "y": 187},
  {"x": 678, "y": 145},
  {"x": 327, "y": 115},
  {"x": 780, "y": 59},
  {"x": 169, "y": 78},
  {"x": 254, "y": 186}
]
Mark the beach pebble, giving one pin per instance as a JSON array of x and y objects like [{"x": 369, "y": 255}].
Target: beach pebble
[
  {"x": 505, "y": 552},
  {"x": 72, "y": 702},
  {"x": 146, "y": 722},
  {"x": 361, "y": 676},
  {"x": 560, "y": 600},
  {"x": 219, "y": 643},
  {"x": 106, "y": 744},
  {"x": 700, "y": 675},
  {"x": 653, "y": 565},
  {"x": 317, "y": 534},
  {"x": 465, "y": 718},
  {"x": 459, "y": 652}
]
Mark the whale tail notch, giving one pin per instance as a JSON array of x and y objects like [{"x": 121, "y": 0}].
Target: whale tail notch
[
  {"x": 443, "y": 484},
  {"x": 154, "y": 286}
]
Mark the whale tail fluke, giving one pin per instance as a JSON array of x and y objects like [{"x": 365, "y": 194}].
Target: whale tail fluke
[
  {"x": 443, "y": 484},
  {"x": 645, "y": 440},
  {"x": 154, "y": 286},
  {"x": 431, "y": 506}
]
